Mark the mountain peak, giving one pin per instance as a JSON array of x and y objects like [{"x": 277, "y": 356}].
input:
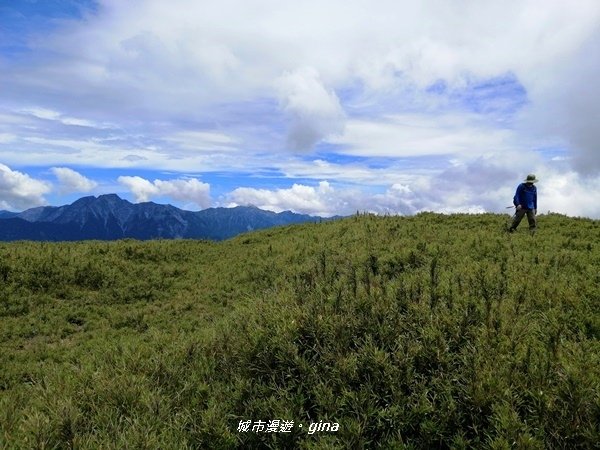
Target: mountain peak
[
  {"x": 108, "y": 216},
  {"x": 112, "y": 200},
  {"x": 109, "y": 197},
  {"x": 84, "y": 201},
  {"x": 104, "y": 200}
]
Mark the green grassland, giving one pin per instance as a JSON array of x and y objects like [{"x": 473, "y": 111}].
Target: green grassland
[{"x": 429, "y": 331}]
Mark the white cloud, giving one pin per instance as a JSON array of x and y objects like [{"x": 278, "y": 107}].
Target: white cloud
[
  {"x": 49, "y": 114},
  {"x": 71, "y": 181},
  {"x": 567, "y": 192},
  {"x": 206, "y": 141},
  {"x": 188, "y": 190},
  {"x": 217, "y": 87},
  {"x": 314, "y": 112},
  {"x": 325, "y": 200},
  {"x": 470, "y": 186},
  {"x": 20, "y": 191},
  {"x": 42, "y": 113},
  {"x": 349, "y": 173},
  {"x": 422, "y": 134},
  {"x": 565, "y": 105},
  {"x": 488, "y": 185},
  {"x": 164, "y": 61},
  {"x": 6, "y": 138},
  {"x": 133, "y": 158},
  {"x": 167, "y": 61},
  {"x": 141, "y": 188},
  {"x": 322, "y": 200},
  {"x": 428, "y": 41},
  {"x": 554, "y": 197}
]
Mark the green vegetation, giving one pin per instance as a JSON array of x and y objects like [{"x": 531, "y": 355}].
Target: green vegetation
[{"x": 420, "y": 332}]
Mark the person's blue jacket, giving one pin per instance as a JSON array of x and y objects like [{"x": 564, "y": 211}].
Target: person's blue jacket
[{"x": 526, "y": 196}]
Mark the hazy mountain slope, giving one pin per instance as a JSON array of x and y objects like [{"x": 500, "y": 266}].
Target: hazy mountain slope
[{"x": 7, "y": 214}]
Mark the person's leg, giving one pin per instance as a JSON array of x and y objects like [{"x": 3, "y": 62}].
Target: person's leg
[
  {"x": 517, "y": 219},
  {"x": 532, "y": 220}
]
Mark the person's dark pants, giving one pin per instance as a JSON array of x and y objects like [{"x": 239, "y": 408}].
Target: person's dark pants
[{"x": 519, "y": 216}]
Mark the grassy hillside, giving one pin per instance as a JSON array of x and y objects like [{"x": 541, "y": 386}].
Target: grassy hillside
[{"x": 420, "y": 332}]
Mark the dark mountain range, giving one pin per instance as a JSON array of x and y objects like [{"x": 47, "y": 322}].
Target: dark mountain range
[{"x": 109, "y": 217}]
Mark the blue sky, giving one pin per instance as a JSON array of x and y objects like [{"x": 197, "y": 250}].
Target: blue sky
[{"x": 320, "y": 107}]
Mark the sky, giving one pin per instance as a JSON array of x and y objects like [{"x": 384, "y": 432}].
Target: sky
[{"x": 322, "y": 107}]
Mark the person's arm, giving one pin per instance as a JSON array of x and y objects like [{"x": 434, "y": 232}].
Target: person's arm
[
  {"x": 517, "y": 197},
  {"x": 535, "y": 200}
]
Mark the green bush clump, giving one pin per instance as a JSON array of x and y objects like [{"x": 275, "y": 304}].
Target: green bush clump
[{"x": 430, "y": 331}]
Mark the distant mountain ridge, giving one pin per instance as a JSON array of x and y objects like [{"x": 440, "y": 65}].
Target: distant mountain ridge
[
  {"x": 7, "y": 214},
  {"x": 109, "y": 217}
]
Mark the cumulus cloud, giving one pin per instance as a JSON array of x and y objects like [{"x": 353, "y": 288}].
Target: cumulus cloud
[
  {"x": 314, "y": 112},
  {"x": 71, "y": 181},
  {"x": 488, "y": 184},
  {"x": 299, "y": 198},
  {"x": 562, "y": 193},
  {"x": 566, "y": 105},
  {"x": 567, "y": 192},
  {"x": 19, "y": 191},
  {"x": 187, "y": 190},
  {"x": 141, "y": 188},
  {"x": 197, "y": 47},
  {"x": 478, "y": 185},
  {"x": 471, "y": 185},
  {"x": 325, "y": 200},
  {"x": 164, "y": 61},
  {"x": 221, "y": 85}
]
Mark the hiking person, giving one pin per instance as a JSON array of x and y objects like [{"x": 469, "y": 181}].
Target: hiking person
[{"x": 525, "y": 201}]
